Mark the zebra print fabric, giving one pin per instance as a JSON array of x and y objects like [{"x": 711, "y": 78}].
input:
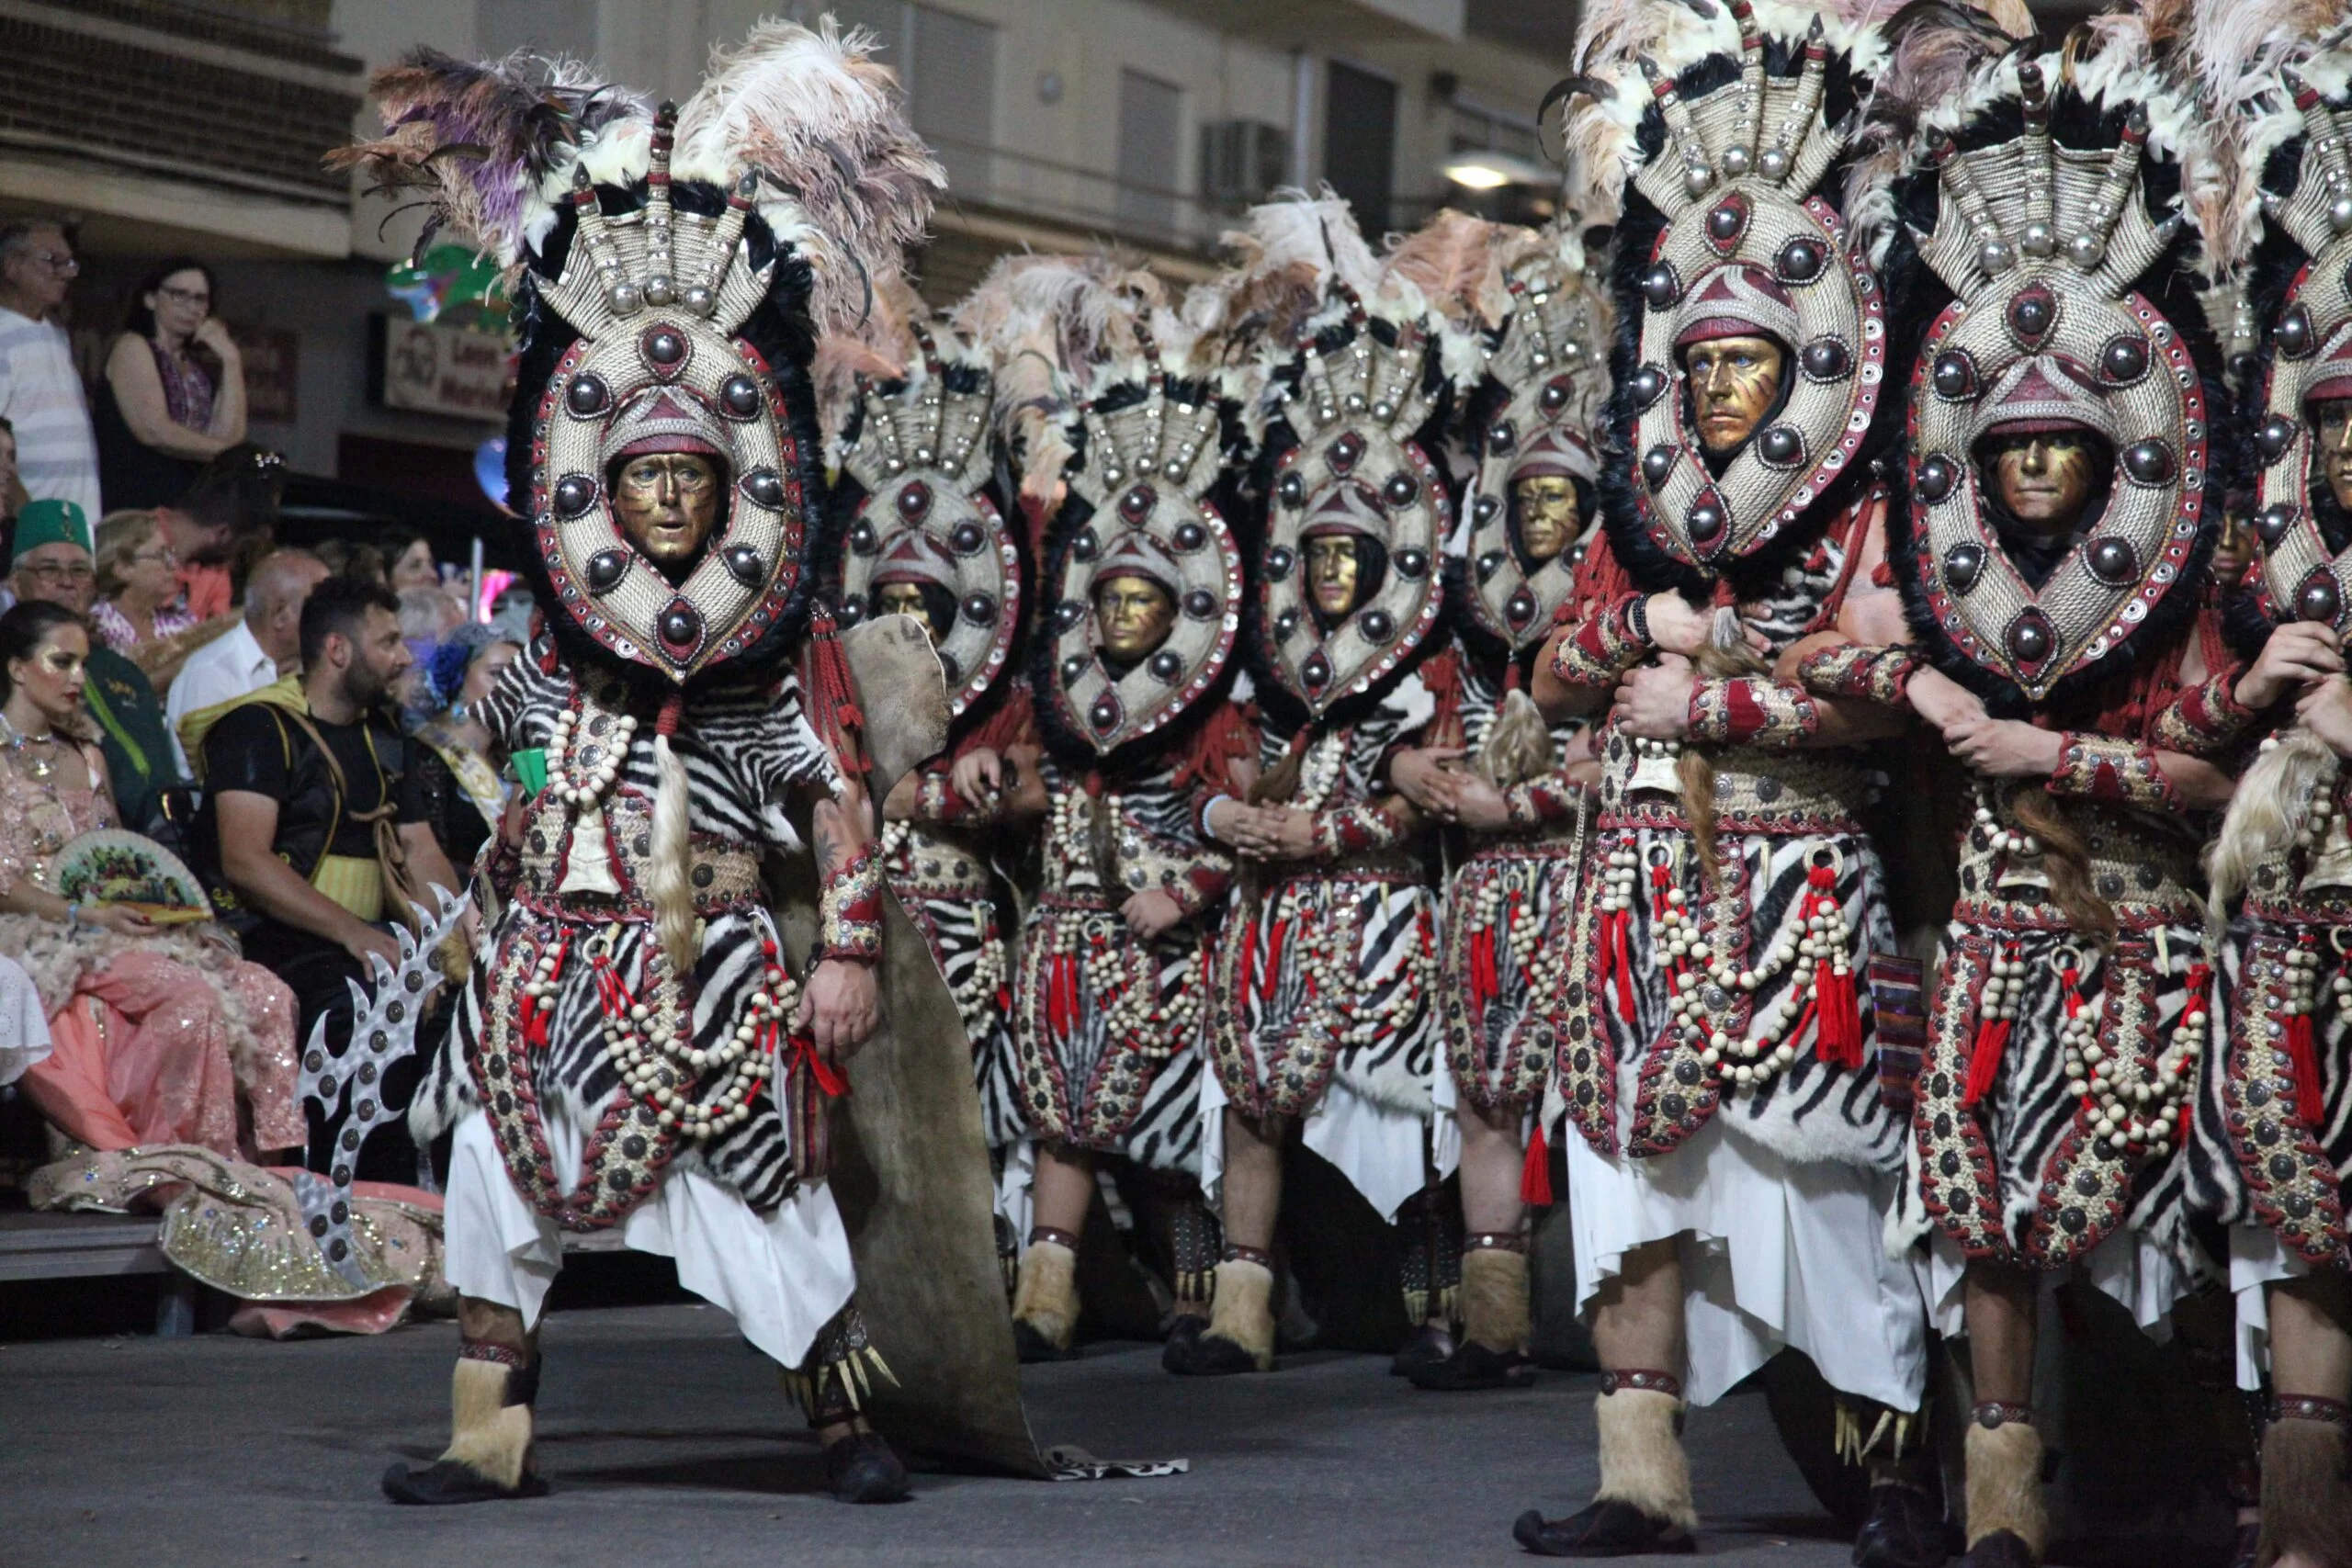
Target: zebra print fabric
[
  {"x": 1097, "y": 1066},
  {"x": 746, "y": 749},
  {"x": 942, "y": 880},
  {"x": 1505, "y": 926},
  {"x": 1329, "y": 970},
  {"x": 2262, "y": 1156},
  {"x": 2019, "y": 1177}
]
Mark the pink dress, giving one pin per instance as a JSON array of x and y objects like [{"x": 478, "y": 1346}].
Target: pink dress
[
  {"x": 168, "y": 1038},
  {"x": 122, "y": 637}
]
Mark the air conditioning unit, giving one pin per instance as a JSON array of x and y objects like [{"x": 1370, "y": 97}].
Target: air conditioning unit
[{"x": 1242, "y": 160}]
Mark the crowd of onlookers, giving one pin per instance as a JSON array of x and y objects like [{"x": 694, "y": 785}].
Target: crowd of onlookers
[{"x": 298, "y": 726}]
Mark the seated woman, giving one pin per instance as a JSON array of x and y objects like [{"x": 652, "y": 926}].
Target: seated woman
[
  {"x": 171, "y": 1060},
  {"x": 139, "y": 614},
  {"x": 159, "y": 1036},
  {"x": 458, "y": 772},
  {"x": 174, "y": 393}
]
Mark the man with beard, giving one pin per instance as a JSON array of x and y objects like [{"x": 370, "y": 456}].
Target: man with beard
[{"x": 311, "y": 827}]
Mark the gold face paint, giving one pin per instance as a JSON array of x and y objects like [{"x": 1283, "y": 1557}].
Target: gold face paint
[
  {"x": 1733, "y": 381},
  {"x": 667, "y": 502},
  {"x": 1134, "y": 614},
  {"x": 54, "y": 675},
  {"x": 2334, "y": 454},
  {"x": 2044, "y": 478},
  {"x": 1331, "y": 573},
  {"x": 905, "y": 599},
  {"x": 1547, "y": 515}
]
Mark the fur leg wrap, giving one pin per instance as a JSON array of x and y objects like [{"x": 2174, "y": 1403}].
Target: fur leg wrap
[
  {"x": 2004, "y": 1484},
  {"x": 2306, "y": 1496},
  {"x": 1047, "y": 1298},
  {"x": 1494, "y": 1298},
  {"x": 1642, "y": 1460},
  {"x": 490, "y": 1431},
  {"x": 1243, "y": 1309}
]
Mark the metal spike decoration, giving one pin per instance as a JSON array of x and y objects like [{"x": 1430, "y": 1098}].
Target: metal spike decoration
[{"x": 383, "y": 1031}]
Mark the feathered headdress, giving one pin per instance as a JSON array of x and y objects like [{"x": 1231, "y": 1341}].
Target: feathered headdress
[{"x": 2048, "y": 199}]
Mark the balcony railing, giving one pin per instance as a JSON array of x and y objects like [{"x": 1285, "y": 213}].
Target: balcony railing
[{"x": 1080, "y": 198}]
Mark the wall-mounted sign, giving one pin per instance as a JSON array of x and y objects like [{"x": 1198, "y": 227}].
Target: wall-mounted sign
[
  {"x": 423, "y": 367},
  {"x": 271, "y": 356}
]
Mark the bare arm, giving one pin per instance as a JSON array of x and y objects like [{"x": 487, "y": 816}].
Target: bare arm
[
  {"x": 138, "y": 393},
  {"x": 268, "y": 885},
  {"x": 841, "y": 1003},
  {"x": 228, "y": 421}
]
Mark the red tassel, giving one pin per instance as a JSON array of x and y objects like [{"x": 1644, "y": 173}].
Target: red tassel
[
  {"x": 1617, "y": 958},
  {"x": 1984, "y": 1061},
  {"x": 2303, "y": 1052},
  {"x": 1275, "y": 940},
  {"x": 1536, "y": 1176},
  {"x": 832, "y": 702},
  {"x": 1244, "y": 969}
]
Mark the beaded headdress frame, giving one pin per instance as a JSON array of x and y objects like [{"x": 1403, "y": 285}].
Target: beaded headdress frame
[
  {"x": 2312, "y": 339},
  {"x": 923, "y": 457},
  {"x": 1147, "y": 470},
  {"x": 2043, "y": 243},
  {"x": 657, "y": 295},
  {"x": 1736, "y": 184},
  {"x": 1545, "y": 359},
  {"x": 1355, "y": 407}
]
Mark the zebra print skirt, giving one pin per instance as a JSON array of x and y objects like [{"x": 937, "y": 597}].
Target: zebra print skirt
[
  {"x": 1632, "y": 1085},
  {"x": 1506, "y": 948},
  {"x": 967, "y": 944},
  {"x": 2021, "y": 1177},
  {"x": 1329, "y": 973},
  {"x": 484, "y": 1062},
  {"x": 1106, "y": 1035},
  {"x": 2265, "y": 1154}
]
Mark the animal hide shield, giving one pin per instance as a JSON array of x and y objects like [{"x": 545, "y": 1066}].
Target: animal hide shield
[{"x": 909, "y": 1168}]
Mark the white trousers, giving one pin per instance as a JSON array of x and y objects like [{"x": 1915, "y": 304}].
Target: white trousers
[
  {"x": 783, "y": 1275},
  {"x": 1773, "y": 1253},
  {"x": 1384, "y": 1153}
]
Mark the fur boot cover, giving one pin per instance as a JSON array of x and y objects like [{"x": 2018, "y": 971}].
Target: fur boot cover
[
  {"x": 1047, "y": 1298},
  {"x": 1494, "y": 1298},
  {"x": 2004, "y": 1484},
  {"x": 2306, "y": 1497},
  {"x": 489, "y": 1437},
  {"x": 1642, "y": 1460},
  {"x": 1242, "y": 1310}
]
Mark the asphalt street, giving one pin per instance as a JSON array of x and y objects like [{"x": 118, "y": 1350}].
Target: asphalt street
[{"x": 667, "y": 1441}]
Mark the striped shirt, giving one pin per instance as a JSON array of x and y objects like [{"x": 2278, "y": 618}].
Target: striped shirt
[{"x": 41, "y": 394}]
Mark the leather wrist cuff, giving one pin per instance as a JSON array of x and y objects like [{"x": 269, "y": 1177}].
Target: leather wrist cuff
[
  {"x": 1751, "y": 710},
  {"x": 1611, "y": 640},
  {"x": 1353, "y": 831},
  {"x": 2123, "y": 772},
  {"x": 1878, "y": 674},
  {"x": 2204, "y": 718},
  {"x": 849, "y": 911}
]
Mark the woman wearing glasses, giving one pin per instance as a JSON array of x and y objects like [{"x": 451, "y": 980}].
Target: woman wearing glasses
[
  {"x": 175, "y": 391},
  {"x": 140, "y": 613}
]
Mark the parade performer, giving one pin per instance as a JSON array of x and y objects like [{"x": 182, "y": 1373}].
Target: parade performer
[
  {"x": 1731, "y": 1150},
  {"x": 1130, "y": 684},
  {"x": 2051, "y": 548},
  {"x": 634, "y": 1048},
  {"x": 2277, "y": 1095},
  {"x": 926, "y": 536},
  {"x": 1324, "y": 1008},
  {"x": 1501, "y": 775}
]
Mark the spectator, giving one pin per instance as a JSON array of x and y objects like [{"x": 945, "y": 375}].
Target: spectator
[
  {"x": 11, "y": 488},
  {"x": 261, "y": 650},
  {"x": 52, "y": 566},
  {"x": 348, "y": 557},
  {"x": 458, "y": 777},
  {"x": 230, "y": 508},
  {"x": 173, "y": 396},
  {"x": 137, "y": 614},
  {"x": 313, "y": 825},
  {"x": 409, "y": 562},
  {"x": 157, "y": 1032},
  {"x": 40, "y": 391}
]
